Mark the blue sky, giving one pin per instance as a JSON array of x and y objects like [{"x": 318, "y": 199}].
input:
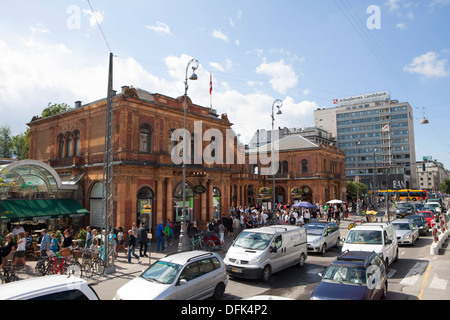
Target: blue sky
[{"x": 306, "y": 53}]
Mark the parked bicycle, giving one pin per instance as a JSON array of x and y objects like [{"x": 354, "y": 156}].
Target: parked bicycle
[
  {"x": 9, "y": 273},
  {"x": 92, "y": 263}
]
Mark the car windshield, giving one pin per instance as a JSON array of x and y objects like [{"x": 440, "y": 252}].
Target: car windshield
[
  {"x": 401, "y": 226},
  {"x": 162, "y": 272},
  {"x": 417, "y": 220},
  {"x": 364, "y": 237},
  {"x": 403, "y": 206},
  {"x": 253, "y": 240},
  {"x": 346, "y": 275},
  {"x": 419, "y": 205},
  {"x": 426, "y": 214},
  {"x": 431, "y": 205},
  {"x": 315, "y": 229}
]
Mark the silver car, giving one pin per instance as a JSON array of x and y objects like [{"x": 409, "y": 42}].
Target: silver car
[
  {"x": 406, "y": 230},
  {"x": 321, "y": 236},
  {"x": 189, "y": 275}
]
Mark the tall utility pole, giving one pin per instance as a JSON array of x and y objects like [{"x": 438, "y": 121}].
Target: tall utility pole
[{"x": 108, "y": 159}]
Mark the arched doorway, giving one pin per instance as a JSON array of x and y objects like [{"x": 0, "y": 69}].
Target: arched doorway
[
  {"x": 178, "y": 203},
  {"x": 144, "y": 207},
  {"x": 96, "y": 206},
  {"x": 303, "y": 193},
  {"x": 280, "y": 194},
  {"x": 217, "y": 203}
]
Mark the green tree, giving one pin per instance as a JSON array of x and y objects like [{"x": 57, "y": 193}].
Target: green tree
[
  {"x": 55, "y": 108},
  {"x": 20, "y": 145},
  {"x": 445, "y": 186},
  {"x": 5, "y": 142},
  {"x": 351, "y": 190}
]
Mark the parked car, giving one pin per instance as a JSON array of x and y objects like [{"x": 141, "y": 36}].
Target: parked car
[
  {"x": 321, "y": 236},
  {"x": 406, "y": 231},
  {"x": 354, "y": 275},
  {"x": 404, "y": 209},
  {"x": 378, "y": 237},
  {"x": 428, "y": 215},
  {"x": 421, "y": 223},
  {"x": 54, "y": 287},
  {"x": 257, "y": 253},
  {"x": 419, "y": 206},
  {"x": 188, "y": 275}
]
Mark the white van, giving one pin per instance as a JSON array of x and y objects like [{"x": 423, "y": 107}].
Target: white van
[
  {"x": 257, "y": 253},
  {"x": 378, "y": 237}
]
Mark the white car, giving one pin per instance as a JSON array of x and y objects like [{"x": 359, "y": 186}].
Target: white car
[
  {"x": 434, "y": 205},
  {"x": 55, "y": 287},
  {"x": 189, "y": 275},
  {"x": 378, "y": 237},
  {"x": 406, "y": 231},
  {"x": 321, "y": 236}
]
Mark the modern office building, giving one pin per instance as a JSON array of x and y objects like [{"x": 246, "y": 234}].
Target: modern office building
[
  {"x": 375, "y": 133},
  {"x": 314, "y": 134}
]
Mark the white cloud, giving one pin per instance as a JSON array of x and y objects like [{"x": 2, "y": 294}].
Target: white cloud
[
  {"x": 393, "y": 4},
  {"x": 94, "y": 17},
  {"x": 441, "y": 3},
  {"x": 160, "y": 27},
  {"x": 401, "y": 26},
  {"x": 283, "y": 76},
  {"x": 428, "y": 65},
  {"x": 219, "y": 35},
  {"x": 217, "y": 66},
  {"x": 39, "y": 28}
]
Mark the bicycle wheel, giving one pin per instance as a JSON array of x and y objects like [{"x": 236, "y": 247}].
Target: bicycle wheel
[
  {"x": 210, "y": 245},
  {"x": 88, "y": 268},
  {"x": 99, "y": 267},
  {"x": 74, "y": 269},
  {"x": 41, "y": 268}
]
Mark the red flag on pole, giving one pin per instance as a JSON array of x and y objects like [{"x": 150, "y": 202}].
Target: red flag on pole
[{"x": 210, "y": 83}]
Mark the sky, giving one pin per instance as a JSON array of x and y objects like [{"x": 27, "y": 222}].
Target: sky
[{"x": 303, "y": 52}]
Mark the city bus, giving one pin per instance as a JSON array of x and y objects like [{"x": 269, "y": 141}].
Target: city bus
[{"x": 405, "y": 194}]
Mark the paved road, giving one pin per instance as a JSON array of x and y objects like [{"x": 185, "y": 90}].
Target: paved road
[{"x": 417, "y": 274}]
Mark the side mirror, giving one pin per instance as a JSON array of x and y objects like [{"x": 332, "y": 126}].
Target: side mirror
[
  {"x": 388, "y": 241},
  {"x": 273, "y": 249},
  {"x": 320, "y": 274},
  {"x": 182, "y": 282}
]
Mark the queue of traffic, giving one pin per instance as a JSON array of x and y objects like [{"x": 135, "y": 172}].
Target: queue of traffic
[{"x": 358, "y": 273}]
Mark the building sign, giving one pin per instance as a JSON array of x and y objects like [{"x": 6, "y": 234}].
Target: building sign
[
  {"x": 199, "y": 189},
  {"x": 364, "y": 98}
]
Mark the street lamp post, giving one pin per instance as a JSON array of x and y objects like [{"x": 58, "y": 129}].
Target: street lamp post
[
  {"x": 183, "y": 241},
  {"x": 278, "y": 104},
  {"x": 357, "y": 178}
]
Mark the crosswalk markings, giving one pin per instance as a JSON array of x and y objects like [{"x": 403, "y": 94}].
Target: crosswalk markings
[
  {"x": 414, "y": 274},
  {"x": 438, "y": 283}
]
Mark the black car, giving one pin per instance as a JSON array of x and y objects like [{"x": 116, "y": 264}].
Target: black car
[
  {"x": 405, "y": 209},
  {"x": 354, "y": 275},
  {"x": 421, "y": 223}
]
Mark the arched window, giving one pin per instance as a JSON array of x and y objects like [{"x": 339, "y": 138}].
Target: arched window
[
  {"x": 76, "y": 143},
  {"x": 285, "y": 167},
  {"x": 304, "y": 166},
  {"x": 145, "y": 138},
  {"x": 61, "y": 146},
  {"x": 69, "y": 144}
]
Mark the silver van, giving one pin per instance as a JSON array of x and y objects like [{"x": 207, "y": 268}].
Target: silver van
[{"x": 257, "y": 253}]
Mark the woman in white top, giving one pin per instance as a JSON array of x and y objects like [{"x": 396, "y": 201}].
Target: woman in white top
[{"x": 19, "y": 254}]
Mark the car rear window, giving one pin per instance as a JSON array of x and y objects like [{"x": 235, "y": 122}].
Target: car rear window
[{"x": 63, "y": 295}]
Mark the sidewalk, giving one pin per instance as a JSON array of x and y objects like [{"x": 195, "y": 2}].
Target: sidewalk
[{"x": 122, "y": 267}]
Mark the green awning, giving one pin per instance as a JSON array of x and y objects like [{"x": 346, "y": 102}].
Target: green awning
[{"x": 42, "y": 209}]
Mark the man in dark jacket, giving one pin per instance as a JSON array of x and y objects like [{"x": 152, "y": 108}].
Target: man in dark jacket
[{"x": 143, "y": 240}]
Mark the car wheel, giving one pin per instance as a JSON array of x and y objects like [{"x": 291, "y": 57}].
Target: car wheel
[
  {"x": 219, "y": 291},
  {"x": 267, "y": 274},
  {"x": 301, "y": 261},
  {"x": 384, "y": 292},
  {"x": 338, "y": 242},
  {"x": 396, "y": 256},
  {"x": 323, "y": 249}
]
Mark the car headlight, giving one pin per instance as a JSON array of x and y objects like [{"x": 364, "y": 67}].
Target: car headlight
[
  {"x": 255, "y": 259},
  {"x": 407, "y": 236}
]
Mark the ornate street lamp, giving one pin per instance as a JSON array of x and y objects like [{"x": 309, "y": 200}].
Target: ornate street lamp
[
  {"x": 183, "y": 241},
  {"x": 278, "y": 103}
]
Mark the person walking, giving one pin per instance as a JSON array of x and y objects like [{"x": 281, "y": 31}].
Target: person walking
[
  {"x": 131, "y": 246},
  {"x": 45, "y": 243},
  {"x": 143, "y": 240},
  {"x": 160, "y": 235}
]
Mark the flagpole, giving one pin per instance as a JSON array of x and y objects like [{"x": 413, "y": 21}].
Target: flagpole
[{"x": 210, "y": 90}]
